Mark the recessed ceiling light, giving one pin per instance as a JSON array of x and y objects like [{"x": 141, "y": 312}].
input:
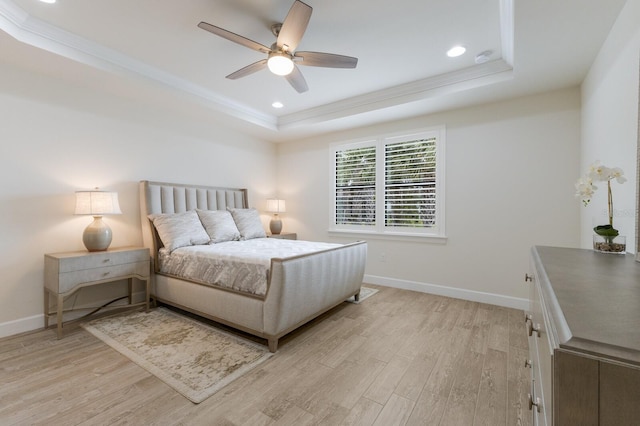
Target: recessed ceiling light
[
  {"x": 48, "y": 1},
  {"x": 456, "y": 51},
  {"x": 277, "y": 104}
]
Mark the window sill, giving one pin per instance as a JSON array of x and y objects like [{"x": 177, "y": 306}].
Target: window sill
[{"x": 394, "y": 236}]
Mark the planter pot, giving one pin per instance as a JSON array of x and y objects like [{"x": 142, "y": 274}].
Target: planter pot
[{"x": 613, "y": 245}]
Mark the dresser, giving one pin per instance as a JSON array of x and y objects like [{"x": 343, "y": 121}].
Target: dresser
[
  {"x": 584, "y": 337},
  {"x": 66, "y": 273}
]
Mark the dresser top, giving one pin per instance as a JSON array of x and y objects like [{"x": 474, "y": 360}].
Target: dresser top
[{"x": 593, "y": 300}]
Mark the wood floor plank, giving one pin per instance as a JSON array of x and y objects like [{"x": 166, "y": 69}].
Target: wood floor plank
[
  {"x": 412, "y": 382},
  {"x": 499, "y": 330},
  {"x": 364, "y": 413},
  {"x": 461, "y": 405},
  {"x": 519, "y": 379},
  {"x": 491, "y": 408},
  {"x": 432, "y": 402},
  {"x": 399, "y": 357},
  {"x": 517, "y": 330},
  {"x": 395, "y": 412},
  {"x": 385, "y": 383}
]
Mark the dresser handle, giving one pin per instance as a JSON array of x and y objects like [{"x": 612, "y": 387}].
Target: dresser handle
[
  {"x": 533, "y": 328},
  {"x": 537, "y": 403},
  {"x": 528, "y": 363},
  {"x": 107, "y": 273},
  {"x": 528, "y": 278},
  {"x": 106, "y": 260}
]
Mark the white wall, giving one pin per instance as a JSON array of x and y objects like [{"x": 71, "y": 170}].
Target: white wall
[
  {"x": 510, "y": 169},
  {"x": 610, "y": 124},
  {"x": 48, "y": 151}
]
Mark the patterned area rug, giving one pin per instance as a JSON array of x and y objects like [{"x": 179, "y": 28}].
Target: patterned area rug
[
  {"x": 365, "y": 292},
  {"x": 193, "y": 358}
]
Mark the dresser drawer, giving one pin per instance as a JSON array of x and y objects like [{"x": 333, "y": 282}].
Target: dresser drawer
[
  {"x": 541, "y": 353},
  {"x": 69, "y": 280}
]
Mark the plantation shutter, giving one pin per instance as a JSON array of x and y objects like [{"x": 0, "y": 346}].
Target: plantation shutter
[
  {"x": 410, "y": 183},
  {"x": 355, "y": 200}
]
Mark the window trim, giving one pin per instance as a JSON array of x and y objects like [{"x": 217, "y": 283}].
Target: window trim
[{"x": 379, "y": 230}]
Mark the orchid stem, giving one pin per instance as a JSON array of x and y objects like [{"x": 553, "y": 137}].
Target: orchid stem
[{"x": 610, "y": 196}]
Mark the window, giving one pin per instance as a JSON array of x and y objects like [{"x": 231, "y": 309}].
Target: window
[{"x": 391, "y": 185}]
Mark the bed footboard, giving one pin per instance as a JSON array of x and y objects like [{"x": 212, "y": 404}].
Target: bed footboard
[{"x": 303, "y": 287}]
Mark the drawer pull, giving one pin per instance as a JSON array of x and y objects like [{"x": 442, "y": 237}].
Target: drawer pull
[
  {"x": 537, "y": 403},
  {"x": 533, "y": 328},
  {"x": 528, "y": 278},
  {"x": 528, "y": 363},
  {"x": 106, "y": 260},
  {"x": 106, "y": 274},
  {"x": 527, "y": 318}
]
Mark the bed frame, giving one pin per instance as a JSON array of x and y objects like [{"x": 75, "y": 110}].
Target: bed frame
[{"x": 299, "y": 289}]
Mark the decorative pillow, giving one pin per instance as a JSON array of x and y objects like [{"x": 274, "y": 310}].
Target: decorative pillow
[
  {"x": 219, "y": 225},
  {"x": 248, "y": 223},
  {"x": 179, "y": 229}
]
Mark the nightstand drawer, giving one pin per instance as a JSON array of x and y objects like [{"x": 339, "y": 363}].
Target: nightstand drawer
[
  {"x": 284, "y": 236},
  {"x": 69, "y": 280},
  {"x": 84, "y": 260}
]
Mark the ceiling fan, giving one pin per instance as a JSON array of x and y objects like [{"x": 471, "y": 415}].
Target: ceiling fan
[{"x": 282, "y": 58}]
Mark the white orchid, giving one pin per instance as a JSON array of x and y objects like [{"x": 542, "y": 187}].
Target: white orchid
[
  {"x": 585, "y": 189},
  {"x": 602, "y": 173}
]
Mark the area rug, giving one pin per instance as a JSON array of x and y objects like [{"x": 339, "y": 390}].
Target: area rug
[
  {"x": 193, "y": 358},
  {"x": 365, "y": 292}
]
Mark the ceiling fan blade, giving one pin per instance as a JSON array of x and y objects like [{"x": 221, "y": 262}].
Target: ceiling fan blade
[
  {"x": 234, "y": 37},
  {"x": 249, "y": 69},
  {"x": 296, "y": 79},
  {"x": 294, "y": 26},
  {"x": 329, "y": 60}
]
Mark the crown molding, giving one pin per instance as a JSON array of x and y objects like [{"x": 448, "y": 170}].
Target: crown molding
[
  {"x": 440, "y": 85},
  {"x": 27, "y": 29}
]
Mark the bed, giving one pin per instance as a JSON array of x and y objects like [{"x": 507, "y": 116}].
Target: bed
[{"x": 300, "y": 282}]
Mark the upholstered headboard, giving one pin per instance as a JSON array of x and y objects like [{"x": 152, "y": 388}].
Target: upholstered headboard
[{"x": 161, "y": 197}]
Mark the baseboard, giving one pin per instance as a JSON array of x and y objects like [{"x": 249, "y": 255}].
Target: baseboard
[
  {"x": 21, "y": 325},
  {"x": 36, "y": 322},
  {"x": 458, "y": 293}
]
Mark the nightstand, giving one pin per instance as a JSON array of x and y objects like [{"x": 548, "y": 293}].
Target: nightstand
[
  {"x": 66, "y": 273},
  {"x": 284, "y": 236}
]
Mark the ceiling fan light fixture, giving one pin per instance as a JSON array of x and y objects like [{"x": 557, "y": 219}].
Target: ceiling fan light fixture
[{"x": 280, "y": 63}]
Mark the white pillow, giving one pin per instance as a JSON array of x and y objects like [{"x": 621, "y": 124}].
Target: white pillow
[
  {"x": 179, "y": 229},
  {"x": 219, "y": 225},
  {"x": 248, "y": 223}
]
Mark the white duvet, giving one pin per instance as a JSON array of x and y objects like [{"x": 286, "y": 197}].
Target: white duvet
[{"x": 238, "y": 265}]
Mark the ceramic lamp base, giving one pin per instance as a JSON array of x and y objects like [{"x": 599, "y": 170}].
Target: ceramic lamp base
[
  {"x": 97, "y": 236},
  {"x": 275, "y": 226}
]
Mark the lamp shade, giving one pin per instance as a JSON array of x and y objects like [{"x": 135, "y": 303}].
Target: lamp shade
[
  {"x": 97, "y": 203},
  {"x": 276, "y": 206}
]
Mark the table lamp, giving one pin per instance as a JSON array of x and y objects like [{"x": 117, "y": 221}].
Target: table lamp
[
  {"x": 275, "y": 206},
  {"x": 97, "y": 236}
]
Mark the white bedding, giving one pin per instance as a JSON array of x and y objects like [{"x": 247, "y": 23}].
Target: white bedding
[{"x": 237, "y": 265}]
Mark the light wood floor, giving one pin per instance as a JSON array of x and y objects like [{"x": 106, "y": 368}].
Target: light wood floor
[{"x": 398, "y": 358}]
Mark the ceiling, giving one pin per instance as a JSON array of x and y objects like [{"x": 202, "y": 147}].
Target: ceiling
[{"x": 154, "y": 52}]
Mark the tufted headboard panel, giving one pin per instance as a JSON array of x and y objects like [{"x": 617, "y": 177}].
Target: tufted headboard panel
[{"x": 161, "y": 197}]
